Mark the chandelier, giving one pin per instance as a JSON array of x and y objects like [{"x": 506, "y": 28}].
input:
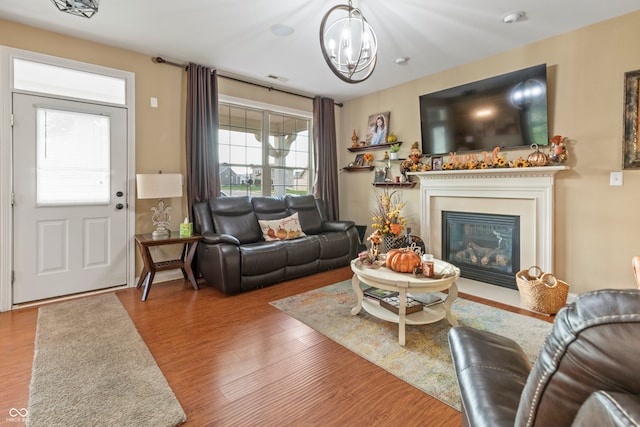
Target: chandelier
[
  {"x": 84, "y": 8},
  {"x": 349, "y": 44}
]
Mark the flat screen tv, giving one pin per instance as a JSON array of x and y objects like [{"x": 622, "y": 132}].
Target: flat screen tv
[{"x": 506, "y": 111}]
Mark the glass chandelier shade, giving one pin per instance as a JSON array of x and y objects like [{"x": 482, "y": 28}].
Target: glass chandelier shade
[
  {"x": 84, "y": 8},
  {"x": 349, "y": 44}
]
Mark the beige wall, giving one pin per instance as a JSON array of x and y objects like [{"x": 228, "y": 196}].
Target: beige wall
[
  {"x": 596, "y": 225},
  {"x": 159, "y": 132}
]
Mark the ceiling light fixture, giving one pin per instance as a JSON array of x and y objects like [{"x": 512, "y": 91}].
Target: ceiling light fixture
[
  {"x": 84, "y": 8},
  {"x": 348, "y": 43}
]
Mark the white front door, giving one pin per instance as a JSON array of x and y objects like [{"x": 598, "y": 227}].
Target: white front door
[{"x": 70, "y": 206}]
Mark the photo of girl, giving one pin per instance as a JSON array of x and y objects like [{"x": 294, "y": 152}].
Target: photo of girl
[{"x": 378, "y": 129}]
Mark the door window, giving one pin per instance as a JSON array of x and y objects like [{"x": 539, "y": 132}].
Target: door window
[{"x": 73, "y": 162}]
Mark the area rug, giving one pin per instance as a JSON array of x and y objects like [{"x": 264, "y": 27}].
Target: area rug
[
  {"x": 425, "y": 361},
  {"x": 92, "y": 368}
]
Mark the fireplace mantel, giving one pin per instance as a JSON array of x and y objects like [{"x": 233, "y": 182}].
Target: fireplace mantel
[{"x": 533, "y": 184}]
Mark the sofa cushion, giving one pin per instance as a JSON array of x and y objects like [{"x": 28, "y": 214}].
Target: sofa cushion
[
  {"x": 235, "y": 216},
  {"x": 305, "y": 206},
  {"x": 262, "y": 258},
  {"x": 281, "y": 229},
  {"x": 269, "y": 207}
]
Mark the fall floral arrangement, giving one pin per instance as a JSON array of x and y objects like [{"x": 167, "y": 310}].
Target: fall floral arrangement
[
  {"x": 387, "y": 219},
  {"x": 367, "y": 157}
]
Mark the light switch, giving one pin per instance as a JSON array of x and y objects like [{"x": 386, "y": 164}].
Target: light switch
[
  {"x": 615, "y": 179},
  {"x": 154, "y": 102}
]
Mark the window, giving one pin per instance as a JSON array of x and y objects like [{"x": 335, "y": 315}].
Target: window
[
  {"x": 56, "y": 80},
  {"x": 279, "y": 166},
  {"x": 73, "y": 161}
]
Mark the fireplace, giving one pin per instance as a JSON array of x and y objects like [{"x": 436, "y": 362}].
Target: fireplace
[
  {"x": 486, "y": 247},
  {"x": 526, "y": 193}
]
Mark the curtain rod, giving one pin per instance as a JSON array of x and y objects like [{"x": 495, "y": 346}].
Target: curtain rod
[{"x": 160, "y": 60}]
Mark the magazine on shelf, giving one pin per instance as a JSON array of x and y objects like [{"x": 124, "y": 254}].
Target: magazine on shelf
[
  {"x": 427, "y": 299},
  {"x": 378, "y": 294}
]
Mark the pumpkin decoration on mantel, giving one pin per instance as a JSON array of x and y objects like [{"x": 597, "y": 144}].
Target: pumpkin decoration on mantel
[
  {"x": 537, "y": 158},
  {"x": 403, "y": 260}
]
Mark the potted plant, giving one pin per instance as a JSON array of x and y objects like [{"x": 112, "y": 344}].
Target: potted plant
[{"x": 393, "y": 151}]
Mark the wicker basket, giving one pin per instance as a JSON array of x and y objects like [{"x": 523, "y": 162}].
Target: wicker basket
[{"x": 541, "y": 292}]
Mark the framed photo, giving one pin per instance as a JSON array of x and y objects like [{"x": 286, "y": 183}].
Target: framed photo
[
  {"x": 436, "y": 163},
  {"x": 631, "y": 124},
  {"x": 378, "y": 128},
  {"x": 359, "y": 161}
]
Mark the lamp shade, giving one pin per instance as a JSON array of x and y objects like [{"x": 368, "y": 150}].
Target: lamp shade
[{"x": 159, "y": 185}]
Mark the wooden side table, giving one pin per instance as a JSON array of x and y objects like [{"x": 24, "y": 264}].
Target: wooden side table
[{"x": 145, "y": 241}]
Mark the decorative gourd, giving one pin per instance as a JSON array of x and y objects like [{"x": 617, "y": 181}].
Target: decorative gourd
[
  {"x": 403, "y": 260},
  {"x": 537, "y": 158},
  {"x": 281, "y": 233}
]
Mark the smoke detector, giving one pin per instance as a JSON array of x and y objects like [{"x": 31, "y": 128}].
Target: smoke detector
[{"x": 513, "y": 17}]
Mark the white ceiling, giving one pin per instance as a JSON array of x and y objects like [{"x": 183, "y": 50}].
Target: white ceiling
[{"x": 234, "y": 36}]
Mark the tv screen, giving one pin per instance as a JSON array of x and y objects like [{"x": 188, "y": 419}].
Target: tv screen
[{"x": 506, "y": 111}]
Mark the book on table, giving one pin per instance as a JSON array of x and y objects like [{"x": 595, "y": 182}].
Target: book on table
[
  {"x": 378, "y": 294},
  {"x": 393, "y": 304}
]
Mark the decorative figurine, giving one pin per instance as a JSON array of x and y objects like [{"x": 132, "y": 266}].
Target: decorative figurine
[{"x": 558, "y": 150}]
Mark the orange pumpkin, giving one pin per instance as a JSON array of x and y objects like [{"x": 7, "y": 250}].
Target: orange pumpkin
[{"x": 403, "y": 260}]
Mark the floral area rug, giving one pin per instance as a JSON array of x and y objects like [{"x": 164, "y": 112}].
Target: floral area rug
[{"x": 425, "y": 361}]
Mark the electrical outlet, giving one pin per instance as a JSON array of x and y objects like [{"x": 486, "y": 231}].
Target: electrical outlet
[
  {"x": 615, "y": 179},
  {"x": 153, "y": 102}
]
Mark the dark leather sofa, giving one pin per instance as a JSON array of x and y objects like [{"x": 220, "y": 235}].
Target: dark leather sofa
[
  {"x": 586, "y": 373},
  {"x": 233, "y": 255}
]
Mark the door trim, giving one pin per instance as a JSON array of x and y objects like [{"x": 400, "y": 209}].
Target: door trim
[{"x": 6, "y": 160}]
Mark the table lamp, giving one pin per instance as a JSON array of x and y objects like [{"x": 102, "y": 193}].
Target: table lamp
[{"x": 159, "y": 186}]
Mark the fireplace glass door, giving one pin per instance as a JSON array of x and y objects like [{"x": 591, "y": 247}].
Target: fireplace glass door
[{"x": 486, "y": 247}]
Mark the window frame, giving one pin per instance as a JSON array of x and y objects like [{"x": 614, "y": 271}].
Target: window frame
[{"x": 267, "y": 110}]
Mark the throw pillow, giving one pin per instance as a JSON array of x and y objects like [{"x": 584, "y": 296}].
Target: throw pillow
[{"x": 281, "y": 229}]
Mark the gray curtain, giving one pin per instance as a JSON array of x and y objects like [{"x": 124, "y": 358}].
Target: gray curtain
[
  {"x": 325, "y": 184},
  {"x": 203, "y": 170}
]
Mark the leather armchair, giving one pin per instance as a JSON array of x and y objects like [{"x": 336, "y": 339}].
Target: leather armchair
[{"x": 585, "y": 373}]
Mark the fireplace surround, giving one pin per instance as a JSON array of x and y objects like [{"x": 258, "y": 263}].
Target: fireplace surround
[{"x": 527, "y": 193}]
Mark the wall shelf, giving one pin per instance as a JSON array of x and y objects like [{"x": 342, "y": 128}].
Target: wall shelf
[
  {"x": 357, "y": 168},
  {"x": 374, "y": 147},
  {"x": 394, "y": 184}
]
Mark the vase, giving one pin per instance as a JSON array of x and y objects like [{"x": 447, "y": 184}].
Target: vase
[
  {"x": 388, "y": 243},
  {"x": 393, "y": 156}
]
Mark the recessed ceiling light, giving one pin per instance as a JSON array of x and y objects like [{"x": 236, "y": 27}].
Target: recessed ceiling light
[
  {"x": 281, "y": 30},
  {"x": 403, "y": 60},
  {"x": 513, "y": 17}
]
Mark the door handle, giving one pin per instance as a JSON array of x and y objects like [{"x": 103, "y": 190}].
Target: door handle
[{"x": 119, "y": 206}]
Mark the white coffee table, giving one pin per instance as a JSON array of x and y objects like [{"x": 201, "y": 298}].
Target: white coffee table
[{"x": 387, "y": 279}]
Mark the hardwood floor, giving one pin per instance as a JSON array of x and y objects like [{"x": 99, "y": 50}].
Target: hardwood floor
[{"x": 238, "y": 361}]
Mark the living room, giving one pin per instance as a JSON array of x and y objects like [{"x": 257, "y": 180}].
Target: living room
[
  {"x": 586, "y": 65},
  {"x": 592, "y": 220}
]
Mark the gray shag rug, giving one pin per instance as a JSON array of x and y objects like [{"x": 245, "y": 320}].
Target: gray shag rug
[{"x": 92, "y": 368}]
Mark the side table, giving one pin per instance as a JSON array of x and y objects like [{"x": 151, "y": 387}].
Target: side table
[{"x": 145, "y": 241}]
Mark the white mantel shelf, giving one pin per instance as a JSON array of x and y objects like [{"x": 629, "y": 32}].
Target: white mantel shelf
[
  {"x": 491, "y": 173},
  {"x": 531, "y": 183}
]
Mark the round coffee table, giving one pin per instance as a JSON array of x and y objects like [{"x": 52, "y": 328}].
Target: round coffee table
[{"x": 387, "y": 279}]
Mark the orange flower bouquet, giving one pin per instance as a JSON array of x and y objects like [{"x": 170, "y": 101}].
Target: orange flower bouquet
[{"x": 387, "y": 218}]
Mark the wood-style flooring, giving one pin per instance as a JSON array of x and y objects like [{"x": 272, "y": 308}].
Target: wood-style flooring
[{"x": 238, "y": 361}]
